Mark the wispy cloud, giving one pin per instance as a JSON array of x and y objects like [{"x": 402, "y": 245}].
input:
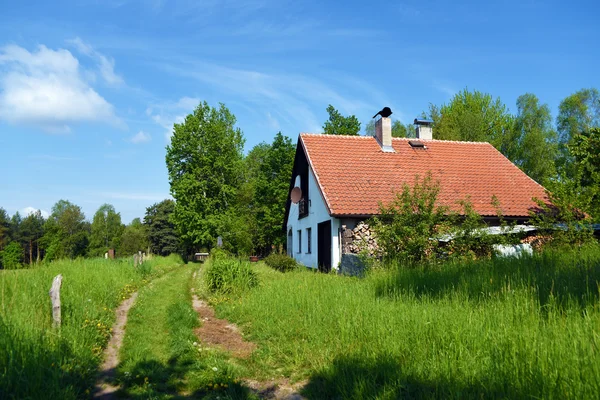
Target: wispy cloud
[
  {"x": 167, "y": 114},
  {"x": 45, "y": 88},
  {"x": 140, "y": 137},
  {"x": 106, "y": 65},
  {"x": 444, "y": 87},
  {"x": 289, "y": 98}
]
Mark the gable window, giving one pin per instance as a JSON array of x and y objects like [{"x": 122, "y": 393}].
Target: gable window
[
  {"x": 308, "y": 240},
  {"x": 299, "y": 240}
]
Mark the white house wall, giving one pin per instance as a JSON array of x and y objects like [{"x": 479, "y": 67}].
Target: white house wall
[{"x": 317, "y": 212}]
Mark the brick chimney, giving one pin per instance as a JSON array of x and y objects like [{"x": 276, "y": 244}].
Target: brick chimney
[
  {"x": 383, "y": 134},
  {"x": 423, "y": 129}
]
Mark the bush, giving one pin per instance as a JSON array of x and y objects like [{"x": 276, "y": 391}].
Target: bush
[
  {"x": 227, "y": 275},
  {"x": 12, "y": 256},
  {"x": 281, "y": 262}
]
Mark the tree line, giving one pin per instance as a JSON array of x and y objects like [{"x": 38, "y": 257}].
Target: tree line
[
  {"x": 219, "y": 192},
  {"x": 67, "y": 234}
]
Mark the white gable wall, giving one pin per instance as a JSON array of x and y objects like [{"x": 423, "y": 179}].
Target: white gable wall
[{"x": 317, "y": 212}]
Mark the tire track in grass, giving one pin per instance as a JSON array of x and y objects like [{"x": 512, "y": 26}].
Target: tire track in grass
[{"x": 103, "y": 388}]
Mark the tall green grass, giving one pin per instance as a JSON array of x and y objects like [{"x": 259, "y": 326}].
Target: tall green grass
[
  {"x": 229, "y": 275},
  {"x": 37, "y": 361},
  {"x": 501, "y": 328}
]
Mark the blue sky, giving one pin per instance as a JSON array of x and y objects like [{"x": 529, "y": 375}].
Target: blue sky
[{"x": 89, "y": 90}]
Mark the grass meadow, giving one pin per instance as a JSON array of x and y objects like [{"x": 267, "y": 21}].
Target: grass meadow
[
  {"x": 37, "y": 361},
  {"x": 500, "y": 328}
]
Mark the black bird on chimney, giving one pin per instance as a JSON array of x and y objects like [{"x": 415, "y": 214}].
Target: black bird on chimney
[{"x": 385, "y": 112}]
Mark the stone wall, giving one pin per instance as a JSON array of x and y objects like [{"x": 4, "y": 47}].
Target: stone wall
[{"x": 361, "y": 239}]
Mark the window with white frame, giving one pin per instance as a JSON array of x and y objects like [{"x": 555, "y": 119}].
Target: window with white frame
[
  {"x": 299, "y": 240},
  {"x": 308, "y": 240}
]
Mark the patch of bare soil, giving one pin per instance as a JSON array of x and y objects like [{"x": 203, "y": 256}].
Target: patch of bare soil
[
  {"x": 280, "y": 389},
  {"x": 220, "y": 333},
  {"x": 103, "y": 389}
]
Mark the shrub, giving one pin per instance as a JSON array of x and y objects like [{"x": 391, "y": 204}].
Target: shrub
[
  {"x": 281, "y": 262},
  {"x": 227, "y": 275},
  {"x": 12, "y": 256}
]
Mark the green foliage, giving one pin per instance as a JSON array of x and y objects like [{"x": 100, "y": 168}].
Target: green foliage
[
  {"x": 337, "y": 124},
  {"x": 473, "y": 116},
  {"x": 561, "y": 220},
  {"x": 66, "y": 232},
  {"x": 4, "y": 228},
  {"x": 578, "y": 113},
  {"x": 32, "y": 230},
  {"x": 160, "y": 228},
  {"x": 281, "y": 262},
  {"x": 584, "y": 149},
  {"x": 534, "y": 141},
  {"x": 12, "y": 256},
  {"x": 413, "y": 227},
  {"x": 230, "y": 275},
  {"x": 106, "y": 230},
  {"x": 204, "y": 161},
  {"x": 133, "y": 239},
  {"x": 269, "y": 168},
  {"x": 408, "y": 226},
  {"x": 399, "y": 130}
]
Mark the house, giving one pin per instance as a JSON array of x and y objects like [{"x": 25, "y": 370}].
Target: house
[{"x": 338, "y": 181}]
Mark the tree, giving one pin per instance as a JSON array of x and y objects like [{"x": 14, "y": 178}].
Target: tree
[
  {"x": 4, "y": 228},
  {"x": 337, "y": 124},
  {"x": 535, "y": 141},
  {"x": 66, "y": 232},
  {"x": 12, "y": 256},
  {"x": 15, "y": 227},
  {"x": 474, "y": 116},
  {"x": 204, "y": 161},
  {"x": 578, "y": 113},
  {"x": 160, "y": 229},
  {"x": 106, "y": 230},
  {"x": 133, "y": 239},
  {"x": 584, "y": 148},
  {"x": 32, "y": 229},
  {"x": 271, "y": 169},
  {"x": 399, "y": 130}
]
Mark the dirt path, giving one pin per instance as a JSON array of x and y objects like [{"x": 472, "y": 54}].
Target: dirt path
[
  {"x": 222, "y": 334},
  {"x": 103, "y": 389},
  {"x": 217, "y": 332}
]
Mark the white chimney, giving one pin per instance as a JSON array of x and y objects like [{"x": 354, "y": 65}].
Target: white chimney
[
  {"x": 383, "y": 134},
  {"x": 423, "y": 129}
]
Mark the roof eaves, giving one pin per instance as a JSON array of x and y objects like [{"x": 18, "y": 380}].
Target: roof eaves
[{"x": 327, "y": 203}]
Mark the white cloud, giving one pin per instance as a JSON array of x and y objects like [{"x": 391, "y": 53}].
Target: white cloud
[
  {"x": 45, "y": 88},
  {"x": 140, "y": 137},
  {"x": 31, "y": 210},
  {"x": 106, "y": 65}
]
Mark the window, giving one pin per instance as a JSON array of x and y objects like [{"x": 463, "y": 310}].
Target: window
[
  {"x": 308, "y": 240},
  {"x": 299, "y": 240},
  {"x": 290, "y": 243}
]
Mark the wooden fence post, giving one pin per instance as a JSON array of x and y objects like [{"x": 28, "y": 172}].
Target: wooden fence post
[{"x": 55, "y": 297}]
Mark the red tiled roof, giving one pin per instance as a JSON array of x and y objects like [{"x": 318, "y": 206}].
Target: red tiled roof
[{"x": 354, "y": 174}]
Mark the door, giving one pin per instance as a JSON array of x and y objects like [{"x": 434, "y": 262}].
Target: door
[{"x": 324, "y": 246}]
